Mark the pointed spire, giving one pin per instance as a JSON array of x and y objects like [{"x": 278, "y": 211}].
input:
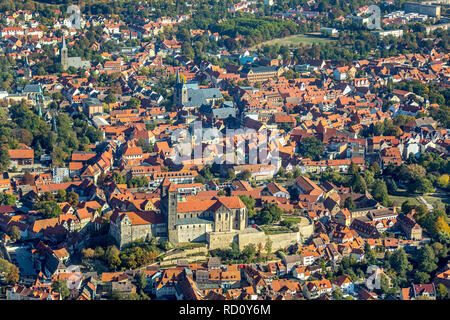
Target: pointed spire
[
  {"x": 64, "y": 42},
  {"x": 172, "y": 187},
  {"x": 178, "y": 75},
  {"x": 165, "y": 182}
]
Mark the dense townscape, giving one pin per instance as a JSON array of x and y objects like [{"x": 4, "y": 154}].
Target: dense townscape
[{"x": 224, "y": 150}]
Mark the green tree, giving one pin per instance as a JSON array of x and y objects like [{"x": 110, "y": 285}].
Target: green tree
[
  {"x": 231, "y": 175},
  {"x": 353, "y": 169},
  {"x": 110, "y": 98},
  {"x": 61, "y": 195},
  {"x": 14, "y": 233},
  {"x": 375, "y": 168},
  {"x": 246, "y": 175},
  {"x": 311, "y": 147},
  {"x": 116, "y": 295},
  {"x": 61, "y": 287},
  {"x": 369, "y": 254},
  {"x": 269, "y": 214},
  {"x": 4, "y": 157},
  {"x": 112, "y": 257},
  {"x": 48, "y": 209},
  {"x": 399, "y": 261},
  {"x": 427, "y": 259},
  {"x": 134, "y": 103},
  {"x": 118, "y": 178},
  {"x": 384, "y": 284},
  {"x": 359, "y": 184},
  {"x": 421, "y": 186},
  {"x": 380, "y": 192},
  {"x": 13, "y": 275},
  {"x": 72, "y": 198},
  {"x": 441, "y": 291},
  {"x": 421, "y": 277},
  {"x": 249, "y": 203},
  {"x": 99, "y": 252},
  {"x": 248, "y": 253},
  {"x": 141, "y": 280},
  {"x": 416, "y": 172},
  {"x": 7, "y": 199},
  {"x": 337, "y": 294},
  {"x": 349, "y": 203},
  {"x": 407, "y": 206}
]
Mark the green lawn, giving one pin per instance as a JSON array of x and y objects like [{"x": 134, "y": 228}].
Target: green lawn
[
  {"x": 435, "y": 199},
  {"x": 275, "y": 230},
  {"x": 401, "y": 196},
  {"x": 438, "y": 199},
  {"x": 293, "y": 220},
  {"x": 296, "y": 40}
]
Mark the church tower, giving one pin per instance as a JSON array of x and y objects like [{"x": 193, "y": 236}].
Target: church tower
[
  {"x": 64, "y": 55},
  {"x": 180, "y": 93},
  {"x": 168, "y": 207},
  {"x": 28, "y": 72}
]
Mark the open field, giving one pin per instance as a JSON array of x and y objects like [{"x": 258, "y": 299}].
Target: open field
[
  {"x": 438, "y": 200},
  {"x": 401, "y": 196},
  {"x": 296, "y": 40}
]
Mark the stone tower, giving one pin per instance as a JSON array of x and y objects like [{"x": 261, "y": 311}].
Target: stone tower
[
  {"x": 169, "y": 199},
  {"x": 180, "y": 92},
  {"x": 28, "y": 72},
  {"x": 64, "y": 55}
]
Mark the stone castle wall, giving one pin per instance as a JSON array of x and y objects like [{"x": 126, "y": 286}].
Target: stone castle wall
[
  {"x": 185, "y": 253},
  {"x": 220, "y": 240},
  {"x": 279, "y": 241},
  {"x": 223, "y": 240}
]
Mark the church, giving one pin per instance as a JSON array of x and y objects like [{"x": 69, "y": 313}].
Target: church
[
  {"x": 180, "y": 221},
  {"x": 188, "y": 95},
  {"x": 75, "y": 62}
]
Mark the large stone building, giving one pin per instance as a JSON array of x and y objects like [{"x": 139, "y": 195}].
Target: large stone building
[
  {"x": 417, "y": 7},
  {"x": 180, "y": 221},
  {"x": 126, "y": 227},
  {"x": 261, "y": 74},
  {"x": 188, "y": 95},
  {"x": 190, "y": 220},
  {"x": 68, "y": 62}
]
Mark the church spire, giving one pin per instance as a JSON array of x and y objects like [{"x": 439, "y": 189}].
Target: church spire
[
  {"x": 63, "y": 43},
  {"x": 29, "y": 74},
  {"x": 64, "y": 54},
  {"x": 178, "y": 75}
]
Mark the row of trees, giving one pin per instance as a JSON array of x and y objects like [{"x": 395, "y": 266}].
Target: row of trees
[
  {"x": 255, "y": 30},
  {"x": 10, "y": 272},
  {"x": 28, "y": 128},
  {"x": 134, "y": 256},
  {"x": 269, "y": 214},
  {"x": 400, "y": 267},
  {"x": 360, "y": 182},
  {"x": 249, "y": 254}
]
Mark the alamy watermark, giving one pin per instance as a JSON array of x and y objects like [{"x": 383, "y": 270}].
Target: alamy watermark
[
  {"x": 74, "y": 13},
  {"x": 374, "y": 280},
  {"x": 236, "y": 146},
  {"x": 75, "y": 277},
  {"x": 375, "y": 19}
]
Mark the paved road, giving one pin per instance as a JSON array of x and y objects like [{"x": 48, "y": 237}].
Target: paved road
[{"x": 422, "y": 200}]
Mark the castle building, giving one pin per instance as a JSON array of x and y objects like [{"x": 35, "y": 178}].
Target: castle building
[{"x": 180, "y": 221}]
